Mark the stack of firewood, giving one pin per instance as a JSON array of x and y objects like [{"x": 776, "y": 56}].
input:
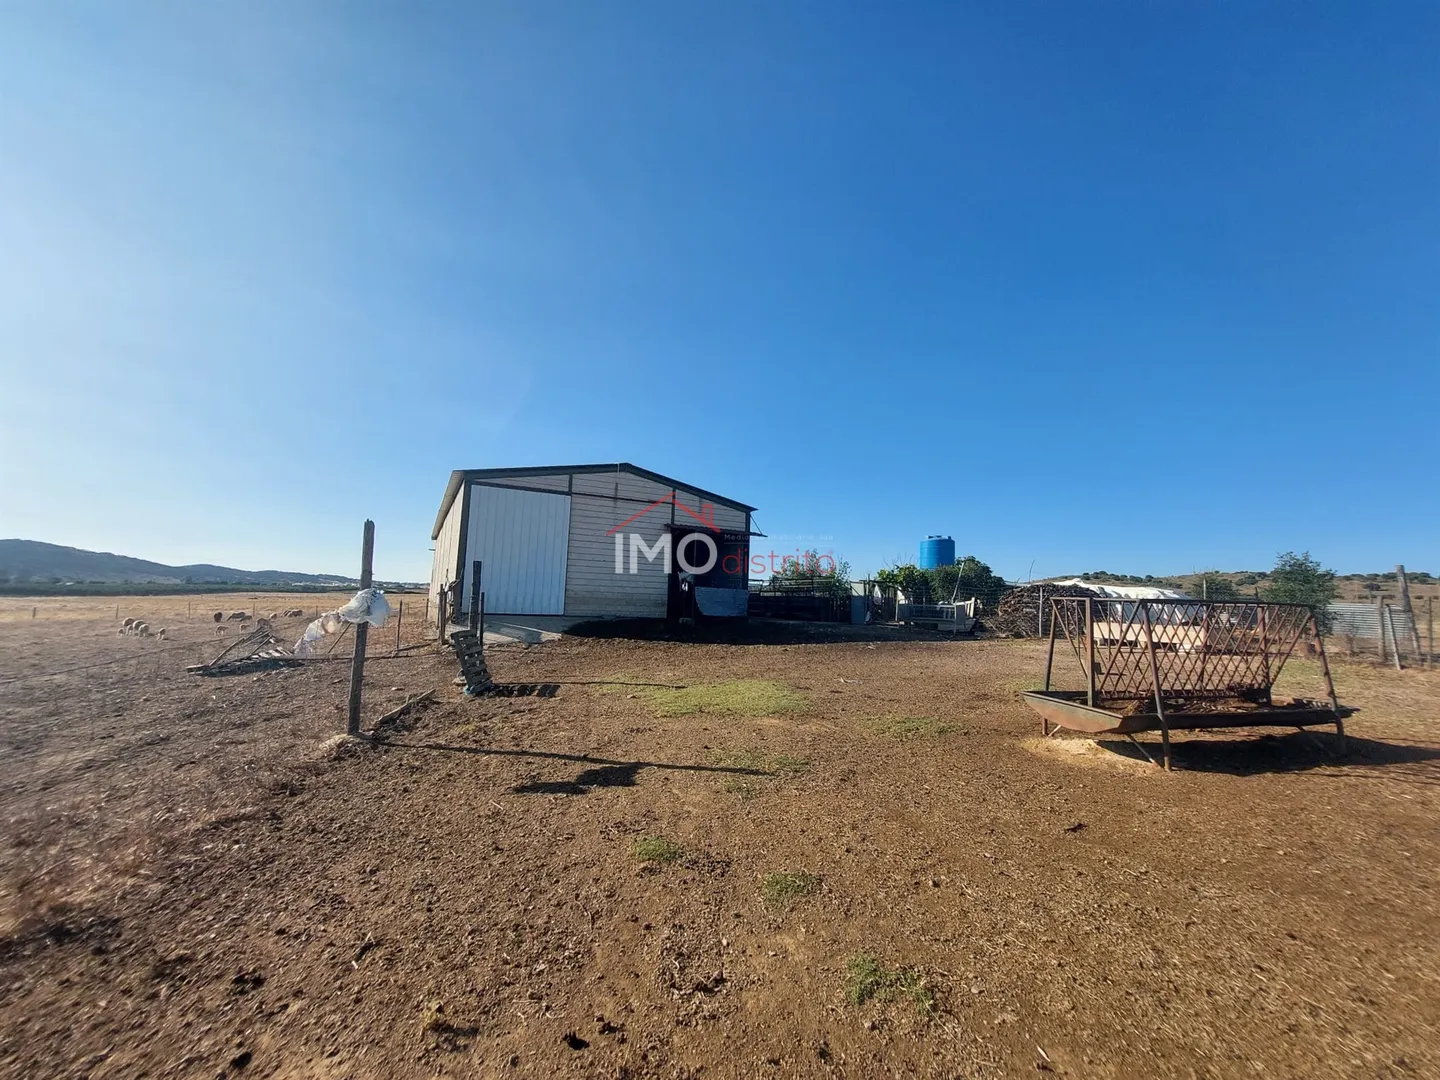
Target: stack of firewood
[{"x": 1025, "y": 611}]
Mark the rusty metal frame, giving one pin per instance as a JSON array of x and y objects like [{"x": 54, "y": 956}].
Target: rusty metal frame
[{"x": 1185, "y": 656}]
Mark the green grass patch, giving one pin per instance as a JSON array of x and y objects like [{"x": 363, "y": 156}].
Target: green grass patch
[
  {"x": 782, "y": 889},
  {"x": 657, "y": 849},
  {"x": 906, "y": 727},
  {"x": 866, "y": 979}
]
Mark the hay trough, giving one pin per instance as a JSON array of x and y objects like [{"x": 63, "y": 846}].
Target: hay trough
[{"x": 1163, "y": 665}]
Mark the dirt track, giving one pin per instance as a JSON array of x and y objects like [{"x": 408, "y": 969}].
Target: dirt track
[{"x": 192, "y": 888}]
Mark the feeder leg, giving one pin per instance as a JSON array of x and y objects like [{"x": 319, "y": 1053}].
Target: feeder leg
[
  {"x": 1155, "y": 681},
  {"x": 1141, "y": 747}
]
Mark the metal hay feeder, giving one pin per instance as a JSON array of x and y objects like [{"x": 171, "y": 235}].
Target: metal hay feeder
[{"x": 1163, "y": 665}]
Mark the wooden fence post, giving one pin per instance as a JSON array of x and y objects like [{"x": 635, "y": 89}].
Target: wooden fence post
[
  {"x": 1407, "y": 609},
  {"x": 1430, "y": 630},
  {"x": 1394, "y": 637},
  {"x": 1380, "y": 625},
  {"x": 442, "y": 613},
  {"x": 362, "y": 631},
  {"x": 399, "y": 618}
]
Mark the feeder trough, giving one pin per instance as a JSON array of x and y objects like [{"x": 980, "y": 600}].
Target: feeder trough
[{"x": 1164, "y": 665}]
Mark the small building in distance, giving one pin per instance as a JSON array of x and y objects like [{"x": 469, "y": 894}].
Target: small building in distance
[{"x": 590, "y": 541}]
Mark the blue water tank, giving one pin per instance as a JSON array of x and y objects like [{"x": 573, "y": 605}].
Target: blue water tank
[{"x": 936, "y": 551}]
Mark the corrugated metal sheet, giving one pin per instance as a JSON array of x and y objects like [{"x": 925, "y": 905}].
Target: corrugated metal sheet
[
  {"x": 522, "y": 538},
  {"x": 1363, "y": 621}
]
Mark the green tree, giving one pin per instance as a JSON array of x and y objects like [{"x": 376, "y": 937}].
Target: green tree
[
  {"x": 968, "y": 577},
  {"x": 1210, "y": 586},
  {"x": 822, "y": 572},
  {"x": 1299, "y": 579},
  {"x": 909, "y": 579}
]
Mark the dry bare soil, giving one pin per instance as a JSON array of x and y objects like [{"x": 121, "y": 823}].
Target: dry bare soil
[{"x": 844, "y": 858}]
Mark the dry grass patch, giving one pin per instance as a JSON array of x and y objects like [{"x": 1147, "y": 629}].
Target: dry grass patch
[
  {"x": 734, "y": 697},
  {"x": 906, "y": 727}
]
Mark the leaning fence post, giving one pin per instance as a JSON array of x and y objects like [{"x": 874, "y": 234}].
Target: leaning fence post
[
  {"x": 362, "y": 631},
  {"x": 399, "y": 618},
  {"x": 1380, "y": 626},
  {"x": 1394, "y": 637},
  {"x": 1430, "y": 630}
]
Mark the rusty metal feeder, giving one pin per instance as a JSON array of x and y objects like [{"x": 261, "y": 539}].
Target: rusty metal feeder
[{"x": 1164, "y": 665}]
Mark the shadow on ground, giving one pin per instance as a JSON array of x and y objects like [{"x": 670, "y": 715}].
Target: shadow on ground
[
  {"x": 601, "y": 772},
  {"x": 753, "y": 632},
  {"x": 1271, "y": 753}
]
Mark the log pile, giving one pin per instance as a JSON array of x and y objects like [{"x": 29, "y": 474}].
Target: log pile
[{"x": 1019, "y": 610}]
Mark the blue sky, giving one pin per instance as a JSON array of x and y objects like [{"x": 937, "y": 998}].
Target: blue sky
[{"x": 1146, "y": 287}]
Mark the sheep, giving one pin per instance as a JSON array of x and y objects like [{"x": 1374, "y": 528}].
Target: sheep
[
  {"x": 129, "y": 622},
  {"x": 294, "y": 613},
  {"x": 219, "y": 616},
  {"x": 221, "y": 631},
  {"x": 162, "y": 632},
  {"x": 273, "y": 616},
  {"x": 122, "y": 630},
  {"x": 237, "y": 616},
  {"x": 141, "y": 628}
]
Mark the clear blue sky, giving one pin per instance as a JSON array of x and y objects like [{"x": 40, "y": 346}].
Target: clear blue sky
[{"x": 1146, "y": 287}]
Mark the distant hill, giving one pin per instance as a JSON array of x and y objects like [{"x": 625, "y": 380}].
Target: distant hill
[
  {"x": 1353, "y": 587},
  {"x": 25, "y": 562}
]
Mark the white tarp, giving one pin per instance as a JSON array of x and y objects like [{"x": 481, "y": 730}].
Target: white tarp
[
  {"x": 1176, "y": 615},
  {"x": 366, "y": 606},
  {"x": 1126, "y": 592}
]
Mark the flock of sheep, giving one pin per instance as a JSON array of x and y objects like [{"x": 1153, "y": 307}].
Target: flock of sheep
[
  {"x": 243, "y": 617},
  {"x": 141, "y": 628}
]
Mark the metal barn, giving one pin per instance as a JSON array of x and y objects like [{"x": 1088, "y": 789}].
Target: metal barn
[{"x": 589, "y": 541}]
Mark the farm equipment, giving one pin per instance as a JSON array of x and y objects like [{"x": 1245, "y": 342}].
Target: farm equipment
[
  {"x": 1163, "y": 665},
  {"x": 956, "y": 618}
]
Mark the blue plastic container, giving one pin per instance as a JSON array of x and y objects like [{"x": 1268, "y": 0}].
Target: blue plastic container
[{"x": 936, "y": 551}]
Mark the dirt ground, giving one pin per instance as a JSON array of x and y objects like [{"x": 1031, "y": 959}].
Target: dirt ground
[{"x": 891, "y": 874}]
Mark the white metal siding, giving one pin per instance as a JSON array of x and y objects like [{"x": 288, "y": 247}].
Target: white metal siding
[
  {"x": 592, "y": 586},
  {"x": 625, "y": 485},
  {"x": 726, "y": 517},
  {"x": 442, "y": 566},
  {"x": 522, "y": 538},
  {"x": 546, "y": 481}
]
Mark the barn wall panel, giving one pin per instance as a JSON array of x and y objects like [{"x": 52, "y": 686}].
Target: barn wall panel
[
  {"x": 447, "y": 543},
  {"x": 592, "y": 586},
  {"x": 522, "y": 538}
]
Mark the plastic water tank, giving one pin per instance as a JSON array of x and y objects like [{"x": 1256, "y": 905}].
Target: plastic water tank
[{"x": 936, "y": 551}]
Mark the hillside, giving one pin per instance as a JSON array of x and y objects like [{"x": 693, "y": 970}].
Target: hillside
[
  {"x": 1353, "y": 587},
  {"x": 33, "y": 562}
]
